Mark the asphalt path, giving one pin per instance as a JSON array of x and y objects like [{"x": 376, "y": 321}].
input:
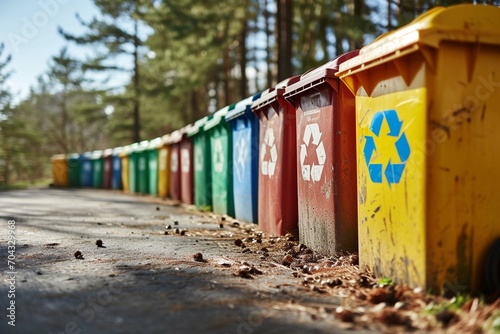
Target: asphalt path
[{"x": 142, "y": 280}]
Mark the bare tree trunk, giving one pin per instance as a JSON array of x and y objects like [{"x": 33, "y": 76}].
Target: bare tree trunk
[
  {"x": 227, "y": 77},
  {"x": 284, "y": 28},
  {"x": 137, "y": 127},
  {"x": 243, "y": 60},
  {"x": 269, "y": 53}
]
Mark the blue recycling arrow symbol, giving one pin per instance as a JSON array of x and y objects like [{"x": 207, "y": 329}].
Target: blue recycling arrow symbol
[{"x": 394, "y": 170}]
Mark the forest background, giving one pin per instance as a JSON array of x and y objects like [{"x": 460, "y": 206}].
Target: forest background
[{"x": 183, "y": 59}]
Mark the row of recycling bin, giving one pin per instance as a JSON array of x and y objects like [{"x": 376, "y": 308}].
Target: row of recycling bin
[{"x": 391, "y": 151}]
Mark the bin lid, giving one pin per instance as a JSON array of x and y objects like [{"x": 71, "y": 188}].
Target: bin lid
[
  {"x": 241, "y": 108},
  {"x": 97, "y": 154},
  {"x": 107, "y": 152},
  {"x": 173, "y": 138},
  {"x": 273, "y": 94},
  {"x": 73, "y": 156},
  {"x": 86, "y": 155},
  {"x": 185, "y": 130},
  {"x": 117, "y": 150},
  {"x": 58, "y": 157},
  {"x": 318, "y": 75},
  {"x": 143, "y": 145},
  {"x": 132, "y": 148},
  {"x": 197, "y": 126},
  {"x": 218, "y": 116},
  {"x": 154, "y": 144},
  {"x": 266, "y": 97},
  {"x": 464, "y": 23}
]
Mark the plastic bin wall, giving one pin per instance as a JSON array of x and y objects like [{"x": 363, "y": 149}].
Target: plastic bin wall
[
  {"x": 153, "y": 165},
  {"x": 116, "y": 180},
  {"x": 187, "y": 184},
  {"x": 97, "y": 169},
  {"x": 142, "y": 168},
  {"x": 277, "y": 190},
  {"x": 175, "y": 166},
  {"x": 245, "y": 143},
  {"x": 133, "y": 168},
  {"x": 427, "y": 140},
  {"x": 108, "y": 169},
  {"x": 222, "y": 157},
  {"x": 86, "y": 176},
  {"x": 74, "y": 166},
  {"x": 163, "y": 169},
  {"x": 124, "y": 158},
  {"x": 326, "y": 159},
  {"x": 60, "y": 170},
  {"x": 201, "y": 165}
]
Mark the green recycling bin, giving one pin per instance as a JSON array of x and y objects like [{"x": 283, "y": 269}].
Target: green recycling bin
[
  {"x": 132, "y": 167},
  {"x": 222, "y": 162},
  {"x": 153, "y": 164},
  {"x": 142, "y": 175},
  {"x": 202, "y": 164},
  {"x": 74, "y": 164},
  {"x": 98, "y": 168}
]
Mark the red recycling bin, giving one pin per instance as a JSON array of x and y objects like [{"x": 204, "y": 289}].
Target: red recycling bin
[
  {"x": 277, "y": 194},
  {"x": 108, "y": 168},
  {"x": 326, "y": 158},
  {"x": 173, "y": 141},
  {"x": 186, "y": 161}
]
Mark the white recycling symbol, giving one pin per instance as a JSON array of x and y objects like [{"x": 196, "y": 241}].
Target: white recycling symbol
[
  {"x": 185, "y": 161},
  {"x": 218, "y": 156},
  {"x": 268, "y": 167},
  {"x": 116, "y": 164},
  {"x": 198, "y": 158},
  {"x": 243, "y": 153},
  {"x": 87, "y": 166},
  {"x": 312, "y": 172},
  {"x": 174, "y": 161},
  {"x": 153, "y": 164}
]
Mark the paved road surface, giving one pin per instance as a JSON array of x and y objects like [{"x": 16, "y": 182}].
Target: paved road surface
[{"x": 143, "y": 281}]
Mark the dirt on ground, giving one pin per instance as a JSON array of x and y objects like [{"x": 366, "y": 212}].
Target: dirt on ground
[{"x": 96, "y": 261}]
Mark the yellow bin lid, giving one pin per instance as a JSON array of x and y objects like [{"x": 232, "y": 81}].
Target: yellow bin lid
[{"x": 463, "y": 23}]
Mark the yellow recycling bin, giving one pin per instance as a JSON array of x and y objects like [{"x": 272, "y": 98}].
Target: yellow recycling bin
[
  {"x": 124, "y": 158},
  {"x": 428, "y": 129},
  {"x": 163, "y": 167},
  {"x": 60, "y": 170}
]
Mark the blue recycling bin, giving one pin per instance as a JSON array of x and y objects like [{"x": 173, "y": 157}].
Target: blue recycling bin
[
  {"x": 245, "y": 130},
  {"x": 86, "y": 171},
  {"x": 116, "y": 178}
]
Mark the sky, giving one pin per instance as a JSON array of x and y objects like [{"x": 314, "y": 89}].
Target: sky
[{"x": 29, "y": 31}]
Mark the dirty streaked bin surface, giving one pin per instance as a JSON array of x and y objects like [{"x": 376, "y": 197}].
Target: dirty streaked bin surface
[
  {"x": 427, "y": 135},
  {"x": 186, "y": 160},
  {"x": 124, "y": 159},
  {"x": 221, "y": 160},
  {"x": 174, "y": 178},
  {"x": 86, "y": 176},
  {"x": 108, "y": 168},
  {"x": 116, "y": 179},
  {"x": 60, "y": 170},
  {"x": 153, "y": 164},
  {"x": 201, "y": 164},
  {"x": 163, "y": 167},
  {"x": 74, "y": 165},
  {"x": 245, "y": 133},
  {"x": 277, "y": 191},
  {"x": 97, "y": 169},
  {"x": 326, "y": 159}
]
